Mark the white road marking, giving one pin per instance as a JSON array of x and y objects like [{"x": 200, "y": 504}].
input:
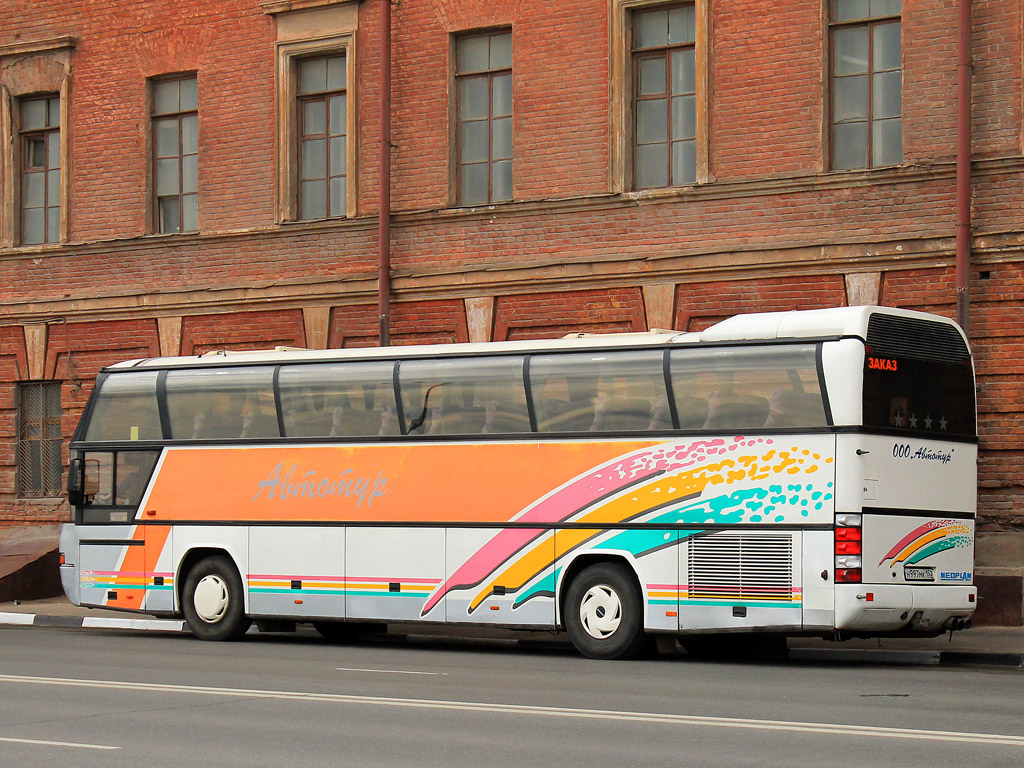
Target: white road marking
[
  {"x": 537, "y": 711},
  {"x": 42, "y": 743},
  {"x": 389, "y": 671}
]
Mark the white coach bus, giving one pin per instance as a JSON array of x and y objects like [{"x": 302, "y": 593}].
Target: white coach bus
[{"x": 778, "y": 474}]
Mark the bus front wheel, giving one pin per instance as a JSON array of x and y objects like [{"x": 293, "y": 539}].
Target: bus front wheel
[
  {"x": 213, "y": 601},
  {"x": 604, "y": 613}
]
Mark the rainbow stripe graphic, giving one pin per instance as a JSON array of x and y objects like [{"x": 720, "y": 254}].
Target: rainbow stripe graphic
[
  {"x": 669, "y": 484},
  {"x": 135, "y": 580},
  {"x": 929, "y": 539},
  {"x": 724, "y": 595},
  {"x": 355, "y": 586}
]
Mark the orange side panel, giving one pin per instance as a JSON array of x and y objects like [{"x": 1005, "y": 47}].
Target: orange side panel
[
  {"x": 482, "y": 482},
  {"x": 133, "y": 576}
]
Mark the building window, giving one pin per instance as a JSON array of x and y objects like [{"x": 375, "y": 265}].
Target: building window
[
  {"x": 39, "y": 440},
  {"x": 40, "y": 170},
  {"x": 323, "y": 136},
  {"x": 664, "y": 97},
  {"x": 483, "y": 84},
  {"x": 176, "y": 154},
  {"x": 866, "y": 84}
]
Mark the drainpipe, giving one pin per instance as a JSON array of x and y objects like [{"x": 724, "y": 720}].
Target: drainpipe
[
  {"x": 963, "y": 165},
  {"x": 384, "y": 202}
]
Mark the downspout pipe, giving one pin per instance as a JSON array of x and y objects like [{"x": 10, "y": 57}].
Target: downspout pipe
[
  {"x": 963, "y": 165},
  {"x": 384, "y": 195}
]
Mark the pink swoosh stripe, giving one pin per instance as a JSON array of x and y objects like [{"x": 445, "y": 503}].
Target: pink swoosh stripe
[{"x": 631, "y": 468}]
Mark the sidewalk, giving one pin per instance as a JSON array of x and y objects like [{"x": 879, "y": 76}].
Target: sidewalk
[{"x": 980, "y": 646}]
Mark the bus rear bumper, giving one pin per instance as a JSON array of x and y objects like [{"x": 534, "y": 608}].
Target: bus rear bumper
[
  {"x": 68, "y": 547},
  {"x": 924, "y": 609}
]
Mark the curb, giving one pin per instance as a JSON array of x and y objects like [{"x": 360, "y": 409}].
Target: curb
[
  {"x": 864, "y": 655},
  {"x": 852, "y": 655},
  {"x": 91, "y": 622},
  {"x": 977, "y": 658}
]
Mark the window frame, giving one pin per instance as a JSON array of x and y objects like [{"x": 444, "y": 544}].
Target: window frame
[
  {"x": 622, "y": 86},
  {"x": 665, "y": 54},
  {"x": 289, "y": 54},
  {"x": 35, "y": 488},
  {"x": 870, "y": 23},
  {"x": 455, "y": 116},
  {"x": 154, "y": 117},
  {"x": 34, "y": 68},
  {"x": 302, "y": 99},
  {"x": 47, "y": 133}
]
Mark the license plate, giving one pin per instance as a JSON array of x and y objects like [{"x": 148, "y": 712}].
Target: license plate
[{"x": 918, "y": 574}]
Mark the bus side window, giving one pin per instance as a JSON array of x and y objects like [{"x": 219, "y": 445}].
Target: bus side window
[
  {"x": 795, "y": 409},
  {"x": 132, "y": 475},
  {"x": 617, "y": 391},
  {"x": 99, "y": 478},
  {"x": 222, "y": 403},
  {"x": 338, "y": 399},
  {"x": 740, "y": 388},
  {"x": 464, "y": 396},
  {"x": 126, "y": 408}
]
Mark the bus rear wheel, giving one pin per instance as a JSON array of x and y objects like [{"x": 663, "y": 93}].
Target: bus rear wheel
[
  {"x": 213, "y": 600},
  {"x": 604, "y": 613}
]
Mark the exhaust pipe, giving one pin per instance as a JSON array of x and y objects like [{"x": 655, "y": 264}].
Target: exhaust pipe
[{"x": 957, "y": 625}]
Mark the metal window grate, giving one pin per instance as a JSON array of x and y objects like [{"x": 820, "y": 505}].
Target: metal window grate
[{"x": 40, "y": 467}]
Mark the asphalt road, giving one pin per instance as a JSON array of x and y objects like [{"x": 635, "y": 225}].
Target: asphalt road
[{"x": 89, "y": 698}]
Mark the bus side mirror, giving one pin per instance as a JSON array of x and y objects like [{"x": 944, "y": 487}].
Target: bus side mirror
[{"x": 75, "y": 483}]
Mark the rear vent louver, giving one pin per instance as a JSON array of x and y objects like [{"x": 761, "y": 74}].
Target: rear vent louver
[
  {"x": 910, "y": 337},
  {"x": 736, "y": 566}
]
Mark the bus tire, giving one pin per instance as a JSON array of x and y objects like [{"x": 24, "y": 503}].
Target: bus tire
[
  {"x": 604, "y": 613},
  {"x": 213, "y": 600}
]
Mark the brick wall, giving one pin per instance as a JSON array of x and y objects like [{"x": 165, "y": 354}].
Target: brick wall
[{"x": 772, "y": 231}]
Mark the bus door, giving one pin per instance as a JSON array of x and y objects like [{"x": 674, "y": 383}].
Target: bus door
[{"x": 112, "y": 557}]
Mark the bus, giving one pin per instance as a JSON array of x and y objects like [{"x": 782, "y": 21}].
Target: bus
[{"x": 777, "y": 474}]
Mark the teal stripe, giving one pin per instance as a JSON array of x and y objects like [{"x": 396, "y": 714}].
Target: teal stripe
[
  {"x": 420, "y": 595},
  {"x": 754, "y": 604},
  {"x": 936, "y": 546},
  {"x": 272, "y": 591},
  {"x": 94, "y": 585},
  {"x": 333, "y": 592},
  {"x": 100, "y": 585}
]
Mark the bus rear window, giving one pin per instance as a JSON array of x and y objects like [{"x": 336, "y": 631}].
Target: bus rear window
[
  {"x": 921, "y": 396},
  {"x": 918, "y": 378}
]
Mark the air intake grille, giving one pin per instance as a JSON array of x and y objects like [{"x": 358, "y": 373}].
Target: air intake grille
[
  {"x": 728, "y": 566},
  {"x": 910, "y": 337}
]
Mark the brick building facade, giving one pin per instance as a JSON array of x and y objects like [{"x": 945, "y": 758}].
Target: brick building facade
[{"x": 770, "y": 166}]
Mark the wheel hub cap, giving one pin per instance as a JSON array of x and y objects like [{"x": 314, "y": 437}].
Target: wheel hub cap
[
  {"x": 211, "y": 599},
  {"x": 600, "y": 612}
]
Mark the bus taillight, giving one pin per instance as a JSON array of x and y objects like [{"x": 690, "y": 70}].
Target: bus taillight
[{"x": 848, "y": 548}]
